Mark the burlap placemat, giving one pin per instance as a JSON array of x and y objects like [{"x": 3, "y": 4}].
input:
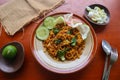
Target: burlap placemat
[{"x": 17, "y": 13}]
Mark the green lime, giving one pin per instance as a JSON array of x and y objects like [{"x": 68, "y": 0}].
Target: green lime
[{"x": 9, "y": 52}]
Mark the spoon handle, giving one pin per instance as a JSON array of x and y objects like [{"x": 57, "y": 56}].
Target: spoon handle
[
  {"x": 108, "y": 72},
  {"x": 105, "y": 68}
]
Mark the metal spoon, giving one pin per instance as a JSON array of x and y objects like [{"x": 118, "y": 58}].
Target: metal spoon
[
  {"x": 113, "y": 59},
  {"x": 107, "y": 48}
]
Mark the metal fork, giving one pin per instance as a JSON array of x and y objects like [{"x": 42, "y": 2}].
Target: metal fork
[{"x": 113, "y": 59}]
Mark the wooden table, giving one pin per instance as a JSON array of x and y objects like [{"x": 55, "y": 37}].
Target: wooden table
[{"x": 31, "y": 70}]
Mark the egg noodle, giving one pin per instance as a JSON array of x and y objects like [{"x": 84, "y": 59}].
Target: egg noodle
[{"x": 65, "y": 41}]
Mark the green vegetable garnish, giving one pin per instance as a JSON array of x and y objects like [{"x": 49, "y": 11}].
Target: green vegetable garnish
[
  {"x": 69, "y": 32},
  {"x": 55, "y": 30},
  {"x": 61, "y": 53},
  {"x": 58, "y": 41},
  {"x": 73, "y": 41}
]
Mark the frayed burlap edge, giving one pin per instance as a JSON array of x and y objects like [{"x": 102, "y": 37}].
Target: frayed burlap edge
[{"x": 41, "y": 14}]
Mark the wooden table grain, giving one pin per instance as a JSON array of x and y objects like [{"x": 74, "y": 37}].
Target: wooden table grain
[{"x": 31, "y": 70}]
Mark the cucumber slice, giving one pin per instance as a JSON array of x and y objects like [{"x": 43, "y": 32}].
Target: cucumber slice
[
  {"x": 42, "y": 33},
  {"x": 49, "y": 22},
  {"x": 59, "y": 20}
]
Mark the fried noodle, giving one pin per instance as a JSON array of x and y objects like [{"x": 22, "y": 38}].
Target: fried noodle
[{"x": 63, "y": 40}]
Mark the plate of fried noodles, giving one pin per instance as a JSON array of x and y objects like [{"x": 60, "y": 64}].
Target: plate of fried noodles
[{"x": 63, "y": 43}]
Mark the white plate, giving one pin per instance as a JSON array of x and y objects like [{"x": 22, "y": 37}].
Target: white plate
[{"x": 67, "y": 66}]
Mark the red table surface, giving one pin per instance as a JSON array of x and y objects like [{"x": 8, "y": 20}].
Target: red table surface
[{"x": 31, "y": 70}]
